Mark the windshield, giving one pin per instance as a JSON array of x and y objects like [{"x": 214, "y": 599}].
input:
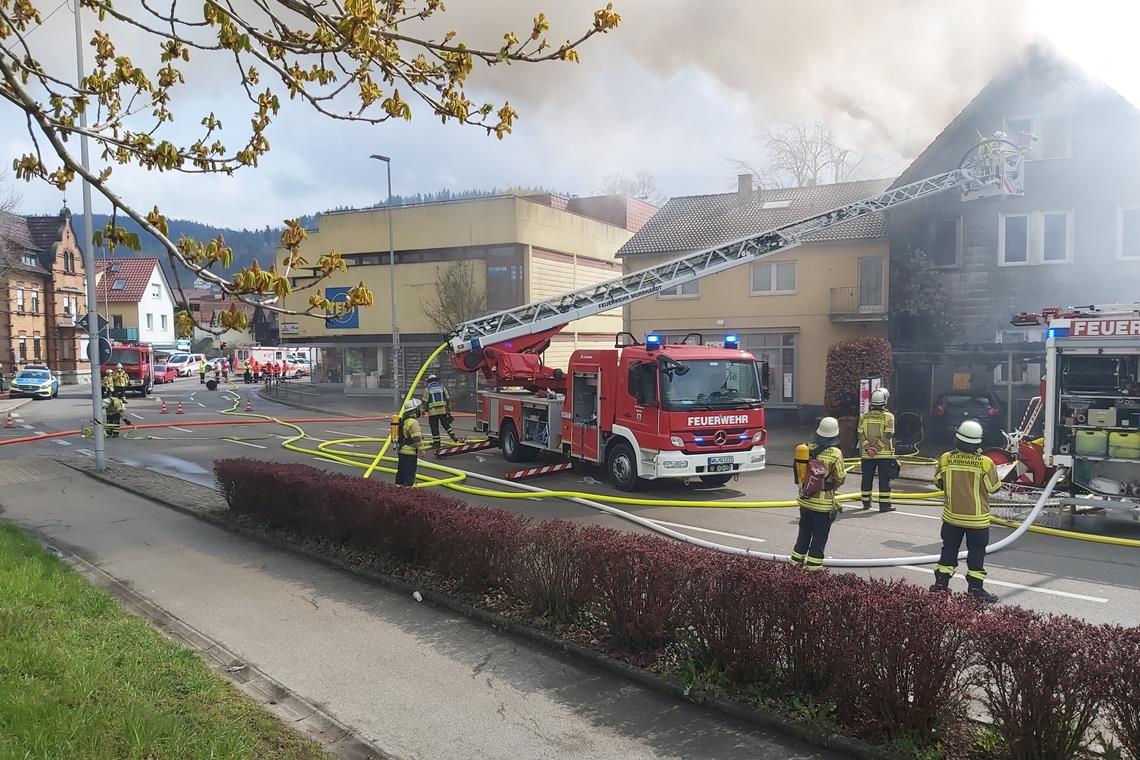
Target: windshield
[
  {"x": 123, "y": 356},
  {"x": 34, "y": 374},
  {"x": 718, "y": 384},
  {"x": 178, "y": 358}
]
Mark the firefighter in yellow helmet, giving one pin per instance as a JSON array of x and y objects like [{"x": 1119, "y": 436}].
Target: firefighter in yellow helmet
[
  {"x": 109, "y": 383},
  {"x": 823, "y": 474},
  {"x": 409, "y": 444},
  {"x": 121, "y": 381},
  {"x": 438, "y": 403},
  {"x": 877, "y": 450},
  {"x": 967, "y": 478}
]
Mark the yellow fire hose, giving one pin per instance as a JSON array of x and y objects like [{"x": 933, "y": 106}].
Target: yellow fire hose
[{"x": 453, "y": 478}]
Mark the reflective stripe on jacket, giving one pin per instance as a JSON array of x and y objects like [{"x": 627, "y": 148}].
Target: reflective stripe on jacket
[
  {"x": 877, "y": 431},
  {"x": 436, "y": 399},
  {"x": 824, "y": 501},
  {"x": 411, "y": 437},
  {"x": 967, "y": 480},
  {"x": 120, "y": 378}
]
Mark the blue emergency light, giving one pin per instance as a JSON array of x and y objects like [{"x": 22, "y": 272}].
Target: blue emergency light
[
  {"x": 1057, "y": 332},
  {"x": 731, "y": 341},
  {"x": 652, "y": 342}
]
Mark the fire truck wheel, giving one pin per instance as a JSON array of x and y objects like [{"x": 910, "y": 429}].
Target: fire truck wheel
[
  {"x": 513, "y": 450},
  {"x": 622, "y": 466},
  {"x": 716, "y": 480}
]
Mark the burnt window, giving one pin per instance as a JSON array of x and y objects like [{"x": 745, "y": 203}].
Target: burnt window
[{"x": 944, "y": 243}]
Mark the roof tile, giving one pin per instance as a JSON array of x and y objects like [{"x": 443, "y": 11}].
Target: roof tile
[
  {"x": 134, "y": 273},
  {"x": 696, "y": 222}
]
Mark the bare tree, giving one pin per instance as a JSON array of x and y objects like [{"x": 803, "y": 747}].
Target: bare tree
[
  {"x": 9, "y": 202},
  {"x": 643, "y": 186},
  {"x": 796, "y": 155},
  {"x": 458, "y": 296}
]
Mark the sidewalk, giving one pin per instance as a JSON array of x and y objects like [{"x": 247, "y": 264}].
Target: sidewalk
[
  {"x": 415, "y": 681},
  {"x": 326, "y": 400}
]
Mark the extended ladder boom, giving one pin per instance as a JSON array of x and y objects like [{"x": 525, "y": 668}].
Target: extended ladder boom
[{"x": 997, "y": 169}]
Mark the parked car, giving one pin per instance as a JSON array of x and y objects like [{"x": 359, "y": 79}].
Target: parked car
[
  {"x": 185, "y": 364},
  {"x": 39, "y": 382},
  {"x": 953, "y": 407},
  {"x": 164, "y": 373}
]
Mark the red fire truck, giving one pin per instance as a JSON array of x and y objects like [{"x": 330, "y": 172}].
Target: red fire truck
[
  {"x": 655, "y": 410},
  {"x": 138, "y": 362}
]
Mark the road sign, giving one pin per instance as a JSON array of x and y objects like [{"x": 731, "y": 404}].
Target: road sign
[
  {"x": 85, "y": 324},
  {"x": 182, "y": 344}
]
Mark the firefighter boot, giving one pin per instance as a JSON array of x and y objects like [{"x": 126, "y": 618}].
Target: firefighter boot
[
  {"x": 978, "y": 592},
  {"x": 941, "y": 582}
]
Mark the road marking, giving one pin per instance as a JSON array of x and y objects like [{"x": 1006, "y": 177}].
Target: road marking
[
  {"x": 25, "y": 426},
  {"x": 181, "y": 429},
  {"x": 40, "y": 432},
  {"x": 1007, "y": 584},
  {"x": 201, "y": 405},
  {"x": 916, "y": 514},
  {"x": 86, "y": 452},
  {"x": 62, "y": 442},
  {"x": 350, "y": 435},
  {"x": 136, "y": 416},
  {"x": 244, "y": 443},
  {"x": 707, "y": 530},
  {"x": 192, "y": 395}
]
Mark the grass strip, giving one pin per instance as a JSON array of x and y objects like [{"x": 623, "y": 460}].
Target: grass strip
[{"x": 82, "y": 678}]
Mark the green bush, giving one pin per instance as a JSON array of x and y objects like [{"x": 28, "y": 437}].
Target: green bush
[{"x": 848, "y": 362}]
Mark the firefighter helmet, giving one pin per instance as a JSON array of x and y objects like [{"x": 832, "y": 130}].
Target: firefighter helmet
[
  {"x": 879, "y": 397},
  {"x": 827, "y": 433},
  {"x": 412, "y": 406},
  {"x": 970, "y": 432},
  {"x": 433, "y": 378}
]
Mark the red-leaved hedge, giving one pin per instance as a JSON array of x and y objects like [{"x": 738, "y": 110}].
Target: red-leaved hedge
[{"x": 894, "y": 663}]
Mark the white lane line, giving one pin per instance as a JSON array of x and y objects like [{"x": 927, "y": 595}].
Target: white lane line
[
  {"x": 136, "y": 416},
  {"x": 181, "y": 429},
  {"x": 192, "y": 395},
  {"x": 62, "y": 442},
  {"x": 916, "y": 514},
  {"x": 708, "y": 530},
  {"x": 25, "y": 426},
  {"x": 244, "y": 443},
  {"x": 40, "y": 432},
  {"x": 350, "y": 435},
  {"x": 86, "y": 452},
  {"x": 201, "y": 405},
  {"x": 1007, "y": 584}
]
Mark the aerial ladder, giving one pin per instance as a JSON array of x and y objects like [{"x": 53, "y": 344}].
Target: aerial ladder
[{"x": 622, "y": 407}]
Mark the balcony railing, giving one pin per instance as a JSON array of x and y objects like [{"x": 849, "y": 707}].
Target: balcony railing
[
  {"x": 123, "y": 333},
  {"x": 847, "y": 305}
]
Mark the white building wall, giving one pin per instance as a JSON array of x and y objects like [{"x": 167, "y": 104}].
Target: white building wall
[{"x": 158, "y": 303}]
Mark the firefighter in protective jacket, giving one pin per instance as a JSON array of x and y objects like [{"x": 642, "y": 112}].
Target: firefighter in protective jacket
[
  {"x": 966, "y": 478},
  {"x": 818, "y": 508},
  {"x": 410, "y": 442},
  {"x": 438, "y": 403},
  {"x": 877, "y": 451}
]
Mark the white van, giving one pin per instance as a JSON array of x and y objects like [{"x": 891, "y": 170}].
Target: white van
[{"x": 185, "y": 364}]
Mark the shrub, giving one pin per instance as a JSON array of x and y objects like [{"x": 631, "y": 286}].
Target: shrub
[
  {"x": 848, "y": 362},
  {"x": 1122, "y": 682},
  {"x": 1041, "y": 681},
  {"x": 552, "y": 572},
  {"x": 478, "y": 548},
  {"x": 638, "y": 581}
]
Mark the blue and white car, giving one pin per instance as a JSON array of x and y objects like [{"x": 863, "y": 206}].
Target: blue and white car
[{"x": 34, "y": 383}]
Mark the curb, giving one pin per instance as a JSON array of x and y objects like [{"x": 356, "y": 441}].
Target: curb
[
  {"x": 8, "y": 405},
  {"x": 307, "y": 407},
  {"x": 772, "y": 721},
  {"x": 274, "y": 697}
]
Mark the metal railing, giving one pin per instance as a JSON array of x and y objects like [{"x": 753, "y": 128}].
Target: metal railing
[
  {"x": 123, "y": 333},
  {"x": 846, "y": 303}
]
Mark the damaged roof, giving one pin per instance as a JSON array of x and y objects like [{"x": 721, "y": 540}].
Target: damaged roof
[{"x": 697, "y": 222}]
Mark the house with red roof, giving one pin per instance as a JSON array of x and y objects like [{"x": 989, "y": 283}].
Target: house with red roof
[{"x": 135, "y": 297}]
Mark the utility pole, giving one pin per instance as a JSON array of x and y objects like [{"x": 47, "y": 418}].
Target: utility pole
[
  {"x": 397, "y": 360},
  {"x": 93, "y": 337}
]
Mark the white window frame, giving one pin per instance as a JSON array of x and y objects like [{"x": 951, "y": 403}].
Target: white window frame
[
  {"x": 1120, "y": 210},
  {"x": 1035, "y": 238},
  {"x": 675, "y": 292},
  {"x": 149, "y": 321},
  {"x": 773, "y": 278},
  {"x": 19, "y": 300},
  {"x": 155, "y": 290},
  {"x": 1035, "y": 121},
  {"x": 162, "y": 321}
]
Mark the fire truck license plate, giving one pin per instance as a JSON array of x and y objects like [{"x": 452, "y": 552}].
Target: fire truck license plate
[{"x": 720, "y": 464}]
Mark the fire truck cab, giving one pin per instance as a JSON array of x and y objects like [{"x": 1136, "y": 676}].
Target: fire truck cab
[
  {"x": 643, "y": 412},
  {"x": 138, "y": 362}
]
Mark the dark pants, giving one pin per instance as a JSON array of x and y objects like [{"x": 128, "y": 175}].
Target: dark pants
[
  {"x": 886, "y": 470},
  {"x": 812, "y": 538},
  {"x": 976, "y": 541},
  {"x": 406, "y": 469},
  {"x": 248, "y": 377},
  {"x": 120, "y": 392},
  {"x": 201, "y": 377},
  {"x": 434, "y": 422},
  {"x": 114, "y": 421}
]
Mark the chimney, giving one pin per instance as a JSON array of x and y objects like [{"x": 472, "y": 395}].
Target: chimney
[{"x": 744, "y": 189}]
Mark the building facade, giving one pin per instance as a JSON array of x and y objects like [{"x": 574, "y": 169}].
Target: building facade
[
  {"x": 1072, "y": 239},
  {"x": 787, "y": 309},
  {"x": 135, "y": 298},
  {"x": 42, "y": 277},
  {"x": 515, "y": 250}
]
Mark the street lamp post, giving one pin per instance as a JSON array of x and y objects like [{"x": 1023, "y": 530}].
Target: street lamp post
[
  {"x": 397, "y": 362},
  {"x": 94, "y": 333}
]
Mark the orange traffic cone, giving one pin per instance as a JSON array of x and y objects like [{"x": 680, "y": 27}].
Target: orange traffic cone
[
  {"x": 162, "y": 406},
  {"x": 11, "y": 423},
  {"x": 178, "y": 409},
  {"x": 248, "y": 404}
]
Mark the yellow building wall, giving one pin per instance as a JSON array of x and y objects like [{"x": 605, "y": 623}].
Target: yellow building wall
[
  {"x": 496, "y": 221},
  {"x": 128, "y": 311},
  {"x": 727, "y": 296}
]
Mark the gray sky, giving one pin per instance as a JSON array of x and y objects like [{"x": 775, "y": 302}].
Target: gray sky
[{"x": 679, "y": 89}]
